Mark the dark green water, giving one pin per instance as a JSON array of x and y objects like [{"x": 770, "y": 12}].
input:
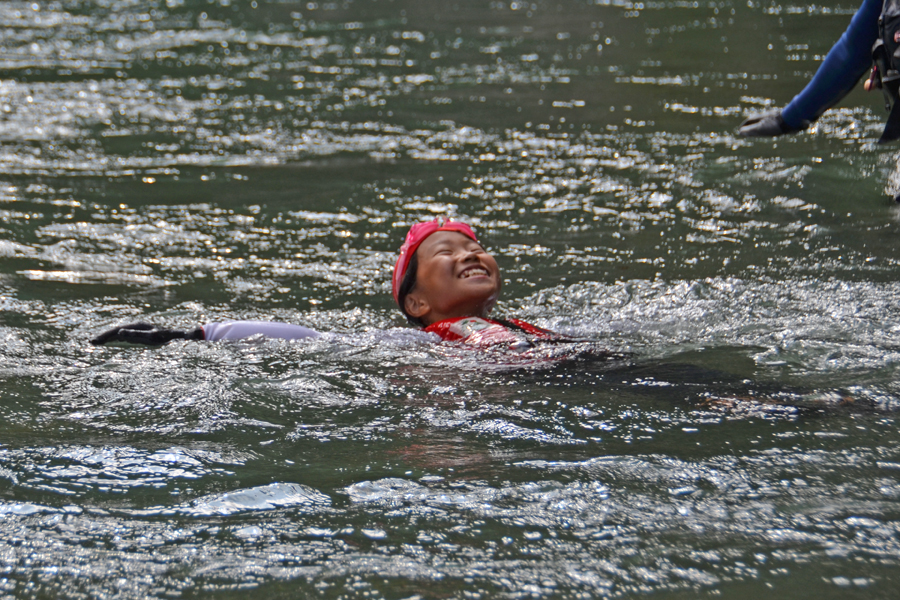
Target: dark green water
[{"x": 188, "y": 161}]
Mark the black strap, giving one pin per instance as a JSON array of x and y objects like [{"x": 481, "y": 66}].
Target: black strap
[
  {"x": 552, "y": 336},
  {"x": 892, "y": 127}
]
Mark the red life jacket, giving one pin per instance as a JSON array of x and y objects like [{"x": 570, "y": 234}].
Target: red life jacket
[{"x": 490, "y": 332}]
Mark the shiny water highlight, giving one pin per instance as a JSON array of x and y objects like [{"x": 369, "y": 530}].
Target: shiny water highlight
[{"x": 726, "y": 425}]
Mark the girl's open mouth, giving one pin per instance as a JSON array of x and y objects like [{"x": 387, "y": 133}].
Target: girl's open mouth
[{"x": 474, "y": 272}]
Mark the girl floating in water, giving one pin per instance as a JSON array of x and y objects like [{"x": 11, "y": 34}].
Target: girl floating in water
[{"x": 444, "y": 282}]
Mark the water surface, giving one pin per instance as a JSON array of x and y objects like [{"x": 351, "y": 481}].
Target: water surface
[{"x": 190, "y": 161}]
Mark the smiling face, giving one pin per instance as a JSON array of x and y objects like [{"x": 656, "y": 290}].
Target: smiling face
[{"x": 455, "y": 278}]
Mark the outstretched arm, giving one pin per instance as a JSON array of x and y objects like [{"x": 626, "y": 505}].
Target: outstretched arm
[
  {"x": 845, "y": 63},
  {"x": 151, "y": 335}
]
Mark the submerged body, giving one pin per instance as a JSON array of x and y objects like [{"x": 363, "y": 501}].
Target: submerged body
[{"x": 476, "y": 331}]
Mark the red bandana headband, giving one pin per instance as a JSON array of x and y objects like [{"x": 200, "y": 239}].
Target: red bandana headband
[{"x": 415, "y": 237}]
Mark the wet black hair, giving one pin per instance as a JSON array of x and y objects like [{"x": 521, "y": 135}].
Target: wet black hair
[{"x": 407, "y": 284}]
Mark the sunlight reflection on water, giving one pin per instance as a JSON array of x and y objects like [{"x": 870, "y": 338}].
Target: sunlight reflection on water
[{"x": 188, "y": 161}]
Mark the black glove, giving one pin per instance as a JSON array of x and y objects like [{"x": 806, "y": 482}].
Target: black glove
[
  {"x": 145, "y": 333},
  {"x": 767, "y": 124}
]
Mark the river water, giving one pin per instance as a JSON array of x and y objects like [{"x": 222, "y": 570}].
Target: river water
[{"x": 189, "y": 161}]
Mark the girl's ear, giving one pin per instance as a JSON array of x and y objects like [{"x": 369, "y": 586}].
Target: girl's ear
[{"x": 416, "y": 305}]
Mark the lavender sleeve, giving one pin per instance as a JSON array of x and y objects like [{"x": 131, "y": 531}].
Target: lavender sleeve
[{"x": 237, "y": 330}]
